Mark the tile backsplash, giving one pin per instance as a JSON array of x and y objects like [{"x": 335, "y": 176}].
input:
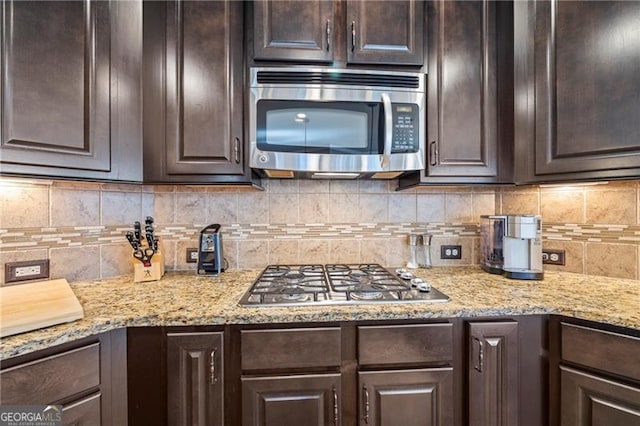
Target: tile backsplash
[{"x": 81, "y": 226}]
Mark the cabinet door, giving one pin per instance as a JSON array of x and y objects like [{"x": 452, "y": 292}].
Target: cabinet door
[
  {"x": 462, "y": 98},
  {"x": 310, "y": 400},
  {"x": 85, "y": 412},
  {"x": 585, "y": 65},
  {"x": 590, "y": 400},
  {"x": 195, "y": 378},
  {"x": 61, "y": 102},
  {"x": 193, "y": 90},
  {"x": 406, "y": 397},
  {"x": 385, "y": 32},
  {"x": 493, "y": 373},
  {"x": 55, "y": 84},
  {"x": 293, "y": 30}
]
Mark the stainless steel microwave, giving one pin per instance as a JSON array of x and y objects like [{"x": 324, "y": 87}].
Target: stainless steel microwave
[{"x": 336, "y": 123}]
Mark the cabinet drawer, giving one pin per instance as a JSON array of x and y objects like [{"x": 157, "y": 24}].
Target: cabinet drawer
[
  {"x": 53, "y": 378},
  {"x": 290, "y": 348},
  {"x": 604, "y": 350},
  {"x": 84, "y": 412},
  {"x": 405, "y": 344}
]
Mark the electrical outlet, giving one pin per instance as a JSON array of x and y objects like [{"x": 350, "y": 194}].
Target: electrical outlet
[
  {"x": 26, "y": 270},
  {"x": 553, "y": 257},
  {"x": 450, "y": 252},
  {"x": 192, "y": 255}
]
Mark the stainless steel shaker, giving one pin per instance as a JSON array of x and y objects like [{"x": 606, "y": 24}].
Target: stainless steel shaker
[
  {"x": 425, "y": 259},
  {"x": 413, "y": 246}
]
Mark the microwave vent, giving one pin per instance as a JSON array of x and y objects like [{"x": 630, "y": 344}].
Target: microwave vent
[{"x": 338, "y": 78}]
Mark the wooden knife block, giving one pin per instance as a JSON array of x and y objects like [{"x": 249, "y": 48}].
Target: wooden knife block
[{"x": 154, "y": 272}]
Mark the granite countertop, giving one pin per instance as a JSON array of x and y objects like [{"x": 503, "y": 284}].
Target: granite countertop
[{"x": 187, "y": 299}]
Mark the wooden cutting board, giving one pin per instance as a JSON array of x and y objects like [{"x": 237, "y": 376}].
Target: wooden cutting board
[{"x": 26, "y": 307}]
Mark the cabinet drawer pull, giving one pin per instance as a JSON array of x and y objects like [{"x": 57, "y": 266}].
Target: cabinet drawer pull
[
  {"x": 328, "y": 34},
  {"x": 335, "y": 406},
  {"x": 433, "y": 153},
  {"x": 353, "y": 35},
  {"x": 480, "y": 364},
  {"x": 365, "y": 397},
  {"x": 212, "y": 368},
  {"x": 236, "y": 149}
]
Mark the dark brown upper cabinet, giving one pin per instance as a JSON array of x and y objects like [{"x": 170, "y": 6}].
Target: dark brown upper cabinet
[
  {"x": 355, "y": 32},
  {"x": 71, "y": 89},
  {"x": 577, "y": 77},
  {"x": 469, "y": 93},
  {"x": 193, "y": 92}
]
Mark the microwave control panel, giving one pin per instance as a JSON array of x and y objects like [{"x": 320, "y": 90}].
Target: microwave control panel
[{"x": 405, "y": 128}]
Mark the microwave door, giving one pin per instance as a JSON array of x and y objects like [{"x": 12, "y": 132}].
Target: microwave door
[{"x": 388, "y": 132}]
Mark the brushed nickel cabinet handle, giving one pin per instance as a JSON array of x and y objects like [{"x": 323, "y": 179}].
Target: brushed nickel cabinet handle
[
  {"x": 365, "y": 396},
  {"x": 353, "y": 35},
  {"x": 212, "y": 368},
  {"x": 236, "y": 149},
  {"x": 328, "y": 34},
  {"x": 433, "y": 153},
  {"x": 335, "y": 406}
]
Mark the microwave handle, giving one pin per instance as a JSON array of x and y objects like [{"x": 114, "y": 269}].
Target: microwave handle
[{"x": 388, "y": 131}]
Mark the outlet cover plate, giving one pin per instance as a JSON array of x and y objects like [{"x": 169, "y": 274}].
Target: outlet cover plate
[
  {"x": 451, "y": 252},
  {"x": 192, "y": 255},
  {"x": 553, "y": 257},
  {"x": 15, "y": 271}
]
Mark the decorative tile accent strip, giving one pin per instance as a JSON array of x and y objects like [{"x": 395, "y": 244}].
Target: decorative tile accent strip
[{"x": 56, "y": 237}]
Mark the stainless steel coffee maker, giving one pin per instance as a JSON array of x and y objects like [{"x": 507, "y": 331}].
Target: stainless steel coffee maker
[{"x": 512, "y": 245}]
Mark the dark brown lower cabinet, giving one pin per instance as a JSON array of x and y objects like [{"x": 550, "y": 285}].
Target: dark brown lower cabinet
[
  {"x": 309, "y": 400},
  {"x": 493, "y": 371},
  {"x": 85, "y": 412},
  {"x": 195, "y": 378},
  {"x": 419, "y": 397},
  {"x": 591, "y": 400}
]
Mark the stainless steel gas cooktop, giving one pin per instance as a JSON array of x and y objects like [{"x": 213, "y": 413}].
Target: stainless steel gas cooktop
[{"x": 299, "y": 285}]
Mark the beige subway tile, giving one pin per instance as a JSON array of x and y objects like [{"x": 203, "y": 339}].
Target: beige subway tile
[
  {"x": 520, "y": 202},
  {"x": 343, "y": 208},
  {"x": 398, "y": 252},
  {"x": 283, "y": 186},
  {"x": 313, "y": 251},
  {"x": 344, "y": 251},
  {"x": 24, "y": 206},
  {"x": 562, "y": 206},
  {"x": 459, "y": 208},
  {"x": 311, "y": 186},
  {"x": 19, "y": 256},
  {"x": 148, "y": 205},
  {"x": 612, "y": 260},
  {"x": 373, "y": 251},
  {"x": 76, "y": 185},
  {"x": 253, "y": 207},
  {"x": 253, "y": 254},
  {"x": 430, "y": 208},
  {"x": 169, "y": 255},
  {"x": 116, "y": 259},
  {"x": 120, "y": 187},
  {"x": 314, "y": 208},
  {"x": 283, "y": 252},
  {"x": 74, "y": 207},
  {"x": 573, "y": 255},
  {"x": 283, "y": 208},
  {"x": 164, "y": 207},
  {"x": 372, "y": 208},
  {"x": 484, "y": 203},
  {"x": 191, "y": 207},
  {"x": 373, "y": 186},
  {"x": 343, "y": 186},
  {"x": 467, "y": 246},
  {"x": 222, "y": 208},
  {"x": 611, "y": 206},
  {"x": 231, "y": 253},
  {"x": 120, "y": 208},
  {"x": 402, "y": 208},
  {"x": 164, "y": 188},
  {"x": 75, "y": 263}
]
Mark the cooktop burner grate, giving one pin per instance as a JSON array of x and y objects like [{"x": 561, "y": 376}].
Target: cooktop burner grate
[{"x": 296, "y": 285}]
